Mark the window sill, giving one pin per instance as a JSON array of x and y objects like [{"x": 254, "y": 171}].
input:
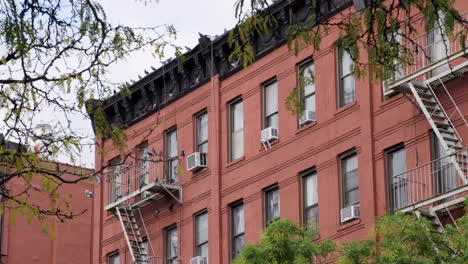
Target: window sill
[
  {"x": 199, "y": 171},
  {"x": 349, "y": 224},
  {"x": 306, "y": 127},
  {"x": 234, "y": 162},
  {"x": 344, "y": 108}
]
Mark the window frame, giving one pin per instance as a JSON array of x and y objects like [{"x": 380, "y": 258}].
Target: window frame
[
  {"x": 300, "y": 81},
  {"x": 112, "y": 255},
  {"x": 197, "y": 130},
  {"x": 233, "y": 236},
  {"x": 389, "y": 172},
  {"x": 145, "y": 259},
  {"x": 169, "y": 159},
  {"x": 343, "y": 192},
  {"x": 206, "y": 242},
  {"x": 170, "y": 260},
  {"x": 231, "y": 103},
  {"x": 340, "y": 78},
  {"x": 303, "y": 175},
  {"x": 265, "y": 117},
  {"x": 143, "y": 165},
  {"x": 116, "y": 189},
  {"x": 266, "y": 212}
]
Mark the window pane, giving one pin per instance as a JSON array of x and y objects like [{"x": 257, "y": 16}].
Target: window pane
[
  {"x": 202, "y": 228},
  {"x": 271, "y": 99},
  {"x": 114, "y": 259},
  {"x": 346, "y": 64},
  {"x": 273, "y": 205},
  {"x": 145, "y": 251},
  {"x": 238, "y": 244},
  {"x": 203, "y": 250},
  {"x": 311, "y": 216},
  {"x": 272, "y": 121},
  {"x": 308, "y": 79},
  {"x": 172, "y": 143},
  {"x": 351, "y": 197},
  {"x": 202, "y": 129},
  {"x": 237, "y": 145},
  {"x": 309, "y": 104},
  {"x": 171, "y": 245},
  {"x": 348, "y": 90},
  {"x": 238, "y": 219},
  {"x": 350, "y": 180},
  {"x": 238, "y": 116},
  {"x": 144, "y": 165},
  {"x": 311, "y": 194},
  {"x": 203, "y": 147}
]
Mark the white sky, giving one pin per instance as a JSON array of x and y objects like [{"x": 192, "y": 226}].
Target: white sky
[{"x": 189, "y": 17}]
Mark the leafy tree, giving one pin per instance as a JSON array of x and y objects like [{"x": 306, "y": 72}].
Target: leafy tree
[
  {"x": 285, "y": 242},
  {"x": 406, "y": 239},
  {"x": 54, "y": 55}
]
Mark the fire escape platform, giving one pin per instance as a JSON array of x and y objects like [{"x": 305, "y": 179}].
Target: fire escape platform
[
  {"x": 155, "y": 189},
  {"x": 437, "y": 198}
]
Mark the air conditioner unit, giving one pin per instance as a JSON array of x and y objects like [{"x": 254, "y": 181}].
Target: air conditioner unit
[
  {"x": 307, "y": 117},
  {"x": 196, "y": 160},
  {"x": 350, "y": 213},
  {"x": 269, "y": 134},
  {"x": 199, "y": 260}
]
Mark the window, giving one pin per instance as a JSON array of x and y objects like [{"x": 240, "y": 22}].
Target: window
[
  {"x": 270, "y": 105},
  {"x": 396, "y": 163},
  {"x": 145, "y": 252},
  {"x": 171, "y": 155},
  {"x": 237, "y": 229},
  {"x": 349, "y": 180},
  {"x": 438, "y": 45},
  {"x": 310, "y": 199},
  {"x": 307, "y": 86},
  {"x": 113, "y": 258},
  {"x": 445, "y": 176},
  {"x": 143, "y": 165},
  {"x": 202, "y": 132},
  {"x": 236, "y": 129},
  {"x": 171, "y": 246},
  {"x": 116, "y": 180},
  {"x": 346, "y": 89},
  {"x": 272, "y": 204},
  {"x": 201, "y": 234}
]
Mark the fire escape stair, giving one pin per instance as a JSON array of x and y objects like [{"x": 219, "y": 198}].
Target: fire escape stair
[
  {"x": 440, "y": 122},
  {"x": 132, "y": 234}
]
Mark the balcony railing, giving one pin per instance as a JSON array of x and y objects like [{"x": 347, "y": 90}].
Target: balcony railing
[
  {"x": 130, "y": 184},
  {"x": 430, "y": 52},
  {"x": 435, "y": 181}
]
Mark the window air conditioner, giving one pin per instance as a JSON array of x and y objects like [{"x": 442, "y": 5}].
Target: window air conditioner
[
  {"x": 199, "y": 260},
  {"x": 196, "y": 160},
  {"x": 307, "y": 117},
  {"x": 350, "y": 213},
  {"x": 269, "y": 134}
]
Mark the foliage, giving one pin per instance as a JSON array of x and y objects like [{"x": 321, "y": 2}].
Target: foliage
[
  {"x": 375, "y": 37},
  {"x": 395, "y": 239},
  {"x": 406, "y": 239},
  {"x": 54, "y": 56},
  {"x": 286, "y": 243}
]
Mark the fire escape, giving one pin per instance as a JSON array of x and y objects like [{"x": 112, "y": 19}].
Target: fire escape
[
  {"x": 433, "y": 189},
  {"x": 129, "y": 189}
]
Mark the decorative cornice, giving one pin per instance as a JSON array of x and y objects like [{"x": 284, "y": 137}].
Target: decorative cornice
[{"x": 177, "y": 77}]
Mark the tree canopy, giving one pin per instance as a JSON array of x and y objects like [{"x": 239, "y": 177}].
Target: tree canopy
[{"x": 395, "y": 239}]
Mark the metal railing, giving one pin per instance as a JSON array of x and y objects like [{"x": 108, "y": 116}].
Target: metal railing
[
  {"x": 427, "y": 181},
  {"x": 429, "y": 49},
  {"x": 123, "y": 181}
]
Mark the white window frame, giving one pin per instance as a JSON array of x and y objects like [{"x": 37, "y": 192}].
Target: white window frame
[
  {"x": 272, "y": 84},
  {"x": 341, "y": 89},
  {"x": 232, "y": 133}
]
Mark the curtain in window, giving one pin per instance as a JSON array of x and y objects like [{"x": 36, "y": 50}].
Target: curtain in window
[
  {"x": 172, "y": 155},
  {"x": 237, "y": 136}
]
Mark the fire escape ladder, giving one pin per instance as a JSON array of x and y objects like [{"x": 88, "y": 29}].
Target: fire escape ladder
[
  {"x": 441, "y": 125},
  {"x": 132, "y": 234}
]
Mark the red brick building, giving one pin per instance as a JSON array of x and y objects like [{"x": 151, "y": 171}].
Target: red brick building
[
  {"x": 359, "y": 150},
  {"x": 22, "y": 241}
]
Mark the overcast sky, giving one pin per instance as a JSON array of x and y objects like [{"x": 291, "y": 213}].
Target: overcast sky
[{"x": 189, "y": 17}]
